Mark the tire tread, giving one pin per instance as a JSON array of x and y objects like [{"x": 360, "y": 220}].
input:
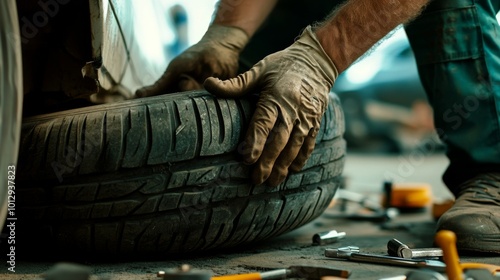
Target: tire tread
[{"x": 161, "y": 177}]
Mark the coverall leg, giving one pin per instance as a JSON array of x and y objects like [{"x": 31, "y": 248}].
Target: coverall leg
[{"x": 457, "y": 48}]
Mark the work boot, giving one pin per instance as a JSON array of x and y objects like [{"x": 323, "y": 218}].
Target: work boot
[{"x": 475, "y": 216}]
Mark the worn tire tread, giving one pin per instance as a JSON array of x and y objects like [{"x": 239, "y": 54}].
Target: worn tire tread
[{"x": 133, "y": 196}]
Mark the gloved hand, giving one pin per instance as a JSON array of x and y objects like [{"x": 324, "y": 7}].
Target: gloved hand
[
  {"x": 294, "y": 85},
  {"x": 215, "y": 55}
]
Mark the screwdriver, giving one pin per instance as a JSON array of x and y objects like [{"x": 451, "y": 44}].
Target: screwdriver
[{"x": 299, "y": 271}]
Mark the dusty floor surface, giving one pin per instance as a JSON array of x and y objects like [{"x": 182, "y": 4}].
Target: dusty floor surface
[{"x": 365, "y": 174}]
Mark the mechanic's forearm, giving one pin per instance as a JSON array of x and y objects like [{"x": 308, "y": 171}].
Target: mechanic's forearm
[
  {"x": 357, "y": 25},
  {"x": 245, "y": 14}
]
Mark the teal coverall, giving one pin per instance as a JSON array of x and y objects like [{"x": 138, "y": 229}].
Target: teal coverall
[{"x": 457, "y": 49}]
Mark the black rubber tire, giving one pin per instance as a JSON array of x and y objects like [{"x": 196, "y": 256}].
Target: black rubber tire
[{"x": 161, "y": 175}]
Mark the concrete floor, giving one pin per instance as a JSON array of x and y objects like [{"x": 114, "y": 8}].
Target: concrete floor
[{"x": 365, "y": 174}]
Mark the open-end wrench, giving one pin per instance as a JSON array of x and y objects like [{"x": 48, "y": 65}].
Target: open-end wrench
[{"x": 351, "y": 254}]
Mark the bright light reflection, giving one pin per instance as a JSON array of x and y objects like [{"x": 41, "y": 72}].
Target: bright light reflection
[
  {"x": 199, "y": 16},
  {"x": 367, "y": 66},
  {"x": 150, "y": 30}
]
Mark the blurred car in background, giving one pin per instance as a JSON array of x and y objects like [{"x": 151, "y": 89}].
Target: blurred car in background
[
  {"x": 384, "y": 102},
  {"x": 81, "y": 53}
]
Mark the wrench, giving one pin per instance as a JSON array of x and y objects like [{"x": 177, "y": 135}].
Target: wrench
[
  {"x": 396, "y": 248},
  {"x": 350, "y": 253}
]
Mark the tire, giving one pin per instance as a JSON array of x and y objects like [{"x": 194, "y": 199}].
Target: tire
[
  {"x": 162, "y": 175},
  {"x": 11, "y": 97}
]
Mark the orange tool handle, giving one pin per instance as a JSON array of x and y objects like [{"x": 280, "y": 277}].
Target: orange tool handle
[
  {"x": 447, "y": 241},
  {"x": 249, "y": 276}
]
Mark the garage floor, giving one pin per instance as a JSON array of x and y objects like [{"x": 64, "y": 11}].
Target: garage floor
[{"x": 365, "y": 174}]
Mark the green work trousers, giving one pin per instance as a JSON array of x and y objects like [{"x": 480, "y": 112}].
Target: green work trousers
[{"x": 457, "y": 49}]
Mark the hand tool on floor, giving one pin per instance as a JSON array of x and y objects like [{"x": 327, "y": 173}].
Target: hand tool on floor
[
  {"x": 363, "y": 200},
  {"x": 185, "y": 272},
  {"x": 327, "y": 237},
  {"x": 378, "y": 216},
  {"x": 454, "y": 269},
  {"x": 300, "y": 271},
  {"x": 371, "y": 210},
  {"x": 352, "y": 255},
  {"x": 397, "y": 248}
]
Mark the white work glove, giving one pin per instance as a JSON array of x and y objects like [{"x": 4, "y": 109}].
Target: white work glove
[
  {"x": 215, "y": 55},
  {"x": 294, "y": 85}
]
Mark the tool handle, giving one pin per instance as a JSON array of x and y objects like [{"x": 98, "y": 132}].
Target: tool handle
[
  {"x": 447, "y": 241},
  {"x": 248, "y": 276}
]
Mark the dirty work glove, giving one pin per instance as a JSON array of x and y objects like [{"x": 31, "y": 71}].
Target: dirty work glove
[
  {"x": 294, "y": 86},
  {"x": 216, "y": 54}
]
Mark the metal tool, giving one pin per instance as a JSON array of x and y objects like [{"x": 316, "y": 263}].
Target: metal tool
[
  {"x": 307, "y": 272},
  {"x": 397, "y": 248},
  {"x": 347, "y": 253},
  {"x": 371, "y": 209},
  {"x": 377, "y": 216},
  {"x": 454, "y": 269},
  {"x": 363, "y": 200},
  {"x": 184, "y": 272},
  {"x": 327, "y": 237}
]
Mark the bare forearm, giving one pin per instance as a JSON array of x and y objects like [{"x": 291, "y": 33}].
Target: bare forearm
[
  {"x": 358, "y": 24},
  {"x": 245, "y": 14}
]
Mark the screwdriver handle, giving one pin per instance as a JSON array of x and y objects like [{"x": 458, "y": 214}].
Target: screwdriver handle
[
  {"x": 268, "y": 275},
  {"x": 447, "y": 241},
  {"x": 248, "y": 276}
]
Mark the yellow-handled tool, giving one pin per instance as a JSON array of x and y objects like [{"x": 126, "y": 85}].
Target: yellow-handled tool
[
  {"x": 300, "y": 271},
  {"x": 309, "y": 272},
  {"x": 454, "y": 269},
  {"x": 275, "y": 274}
]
